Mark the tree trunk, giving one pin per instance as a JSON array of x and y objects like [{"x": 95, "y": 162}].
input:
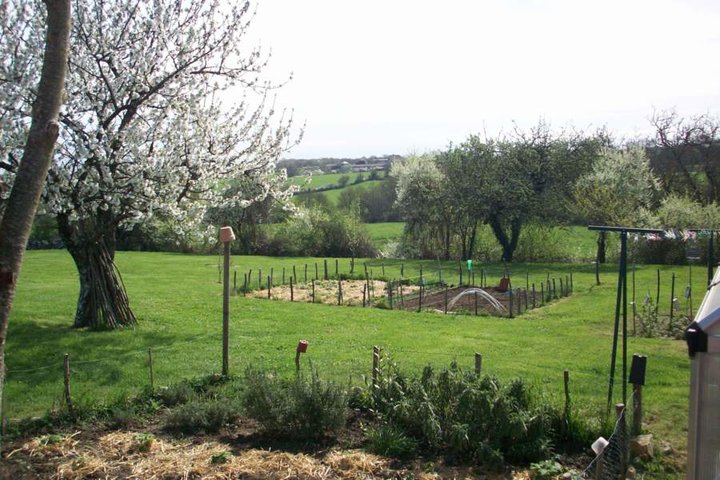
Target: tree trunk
[
  {"x": 601, "y": 247},
  {"x": 508, "y": 244},
  {"x": 102, "y": 302},
  {"x": 447, "y": 241},
  {"x": 473, "y": 236},
  {"x": 24, "y": 197}
]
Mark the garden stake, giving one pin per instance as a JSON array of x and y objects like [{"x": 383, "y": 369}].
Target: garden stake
[
  {"x": 269, "y": 285},
  {"x": 313, "y": 291},
  {"x": 421, "y": 275},
  {"x": 226, "y": 236},
  {"x": 446, "y": 299},
  {"x": 375, "y": 369},
  {"x": 364, "y": 289},
  {"x": 634, "y": 305},
  {"x": 245, "y": 282},
  {"x": 657, "y": 296},
  {"x": 326, "y": 277},
  {"x": 152, "y": 374},
  {"x": 292, "y": 292},
  {"x": 478, "y": 363},
  {"x": 66, "y": 379},
  {"x": 420, "y": 299},
  {"x": 672, "y": 297},
  {"x": 637, "y": 379}
]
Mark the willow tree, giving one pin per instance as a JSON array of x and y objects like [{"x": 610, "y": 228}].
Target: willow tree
[{"x": 164, "y": 103}]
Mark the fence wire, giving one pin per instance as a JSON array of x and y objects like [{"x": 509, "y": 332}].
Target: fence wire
[{"x": 611, "y": 463}]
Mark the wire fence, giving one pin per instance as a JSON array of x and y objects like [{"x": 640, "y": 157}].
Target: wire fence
[{"x": 610, "y": 462}]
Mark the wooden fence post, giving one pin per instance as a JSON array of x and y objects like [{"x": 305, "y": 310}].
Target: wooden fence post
[
  {"x": 510, "y": 302},
  {"x": 269, "y": 286},
  {"x": 325, "y": 276},
  {"x": 294, "y": 274},
  {"x": 337, "y": 268},
  {"x": 316, "y": 271},
  {"x": 446, "y": 299},
  {"x": 245, "y": 284},
  {"x": 313, "y": 291},
  {"x": 534, "y": 305},
  {"x": 478, "y": 363},
  {"x": 292, "y": 290},
  {"x": 364, "y": 293},
  {"x": 340, "y": 294},
  {"x": 66, "y": 381}
]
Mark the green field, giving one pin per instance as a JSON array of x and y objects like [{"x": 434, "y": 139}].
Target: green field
[
  {"x": 325, "y": 179},
  {"x": 177, "y": 299}
]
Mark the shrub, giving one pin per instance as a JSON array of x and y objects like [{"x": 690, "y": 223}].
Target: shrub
[
  {"x": 390, "y": 441},
  {"x": 298, "y": 409},
  {"x": 202, "y": 416},
  {"x": 470, "y": 417}
]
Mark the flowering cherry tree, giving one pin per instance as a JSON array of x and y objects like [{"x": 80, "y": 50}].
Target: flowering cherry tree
[{"x": 147, "y": 128}]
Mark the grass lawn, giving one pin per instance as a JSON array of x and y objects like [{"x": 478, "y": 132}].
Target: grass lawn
[
  {"x": 382, "y": 233},
  {"x": 325, "y": 179},
  {"x": 177, "y": 299}
]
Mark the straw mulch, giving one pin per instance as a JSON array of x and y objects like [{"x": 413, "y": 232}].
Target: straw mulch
[{"x": 110, "y": 455}]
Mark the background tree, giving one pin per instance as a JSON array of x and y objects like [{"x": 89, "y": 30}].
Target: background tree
[
  {"x": 529, "y": 177},
  {"x": 31, "y": 170},
  {"x": 425, "y": 204},
  {"x": 620, "y": 190},
  {"x": 686, "y": 155},
  {"x": 148, "y": 129}
]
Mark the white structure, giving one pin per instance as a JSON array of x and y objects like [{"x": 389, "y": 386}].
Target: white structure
[{"x": 703, "y": 338}]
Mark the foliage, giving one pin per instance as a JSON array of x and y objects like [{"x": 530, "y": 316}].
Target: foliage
[
  {"x": 202, "y": 416},
  {"x": 685, "y": 154},
  {"x": 619, "y": 188},
  {"x": 143, "y": 442},
  {"x": 220, "y": 458},
  {"x": 146, "y": 128},
  {"x": 390, "y": 441},
  {"x": 545, "y": 470},
  {"x": 300, "y": 409},
  {"x": 316, "y": 233},
  {"x": 466, "y": 415}
]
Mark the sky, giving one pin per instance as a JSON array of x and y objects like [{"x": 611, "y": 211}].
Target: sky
[{"x": 377, "y": 77}]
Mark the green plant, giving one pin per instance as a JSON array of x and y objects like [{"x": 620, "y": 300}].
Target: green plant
[
  {"x": 198, "y": 416},
  {"x": 143, "y": 442},
  {"x": 390, "y": 441},
  {"x": 51, "y": 439},
  {"x": 220, "y": 458},
  {"x": 300, "y": 408},
  {"x": 545, "y": 470}
]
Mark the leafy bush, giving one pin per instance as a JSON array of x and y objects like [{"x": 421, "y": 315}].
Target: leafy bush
[
  {"x": 471, "y": 417},
  {"x": 545, "y": 470},
  {"x": 390, "y": 441},
  {"x": 300, "y": 408},
  {"x": 207, "y": 416}
]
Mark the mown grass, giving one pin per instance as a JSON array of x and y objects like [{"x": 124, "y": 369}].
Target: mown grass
[
  {"x": 325, "y": 179},
  {"x": 177, "y": 299}
]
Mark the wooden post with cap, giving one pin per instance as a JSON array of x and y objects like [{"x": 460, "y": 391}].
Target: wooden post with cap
[{"x": 226, "y": 236}]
